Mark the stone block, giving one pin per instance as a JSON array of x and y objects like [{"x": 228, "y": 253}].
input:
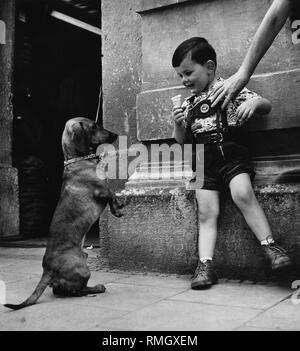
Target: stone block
[
  {"x": 159, "y": 232},
  {"x": 154, "y": 119},
  {"x": 147, "y": 5}
]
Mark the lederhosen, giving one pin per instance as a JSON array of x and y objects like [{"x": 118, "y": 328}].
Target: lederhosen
[{"x": 224, "y": 157}]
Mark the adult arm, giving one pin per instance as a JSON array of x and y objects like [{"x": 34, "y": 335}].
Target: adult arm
[{"x": 270, "y": 26}]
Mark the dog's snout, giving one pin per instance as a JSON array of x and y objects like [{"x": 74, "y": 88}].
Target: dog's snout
[{"x": 107, "y": 137}]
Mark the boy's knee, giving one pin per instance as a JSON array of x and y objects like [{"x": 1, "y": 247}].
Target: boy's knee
[
  {"x": 243, "y": 197},
  {"x": 208, "y": 213}
]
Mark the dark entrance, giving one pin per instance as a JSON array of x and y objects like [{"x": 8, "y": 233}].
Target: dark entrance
[{"x": 57, "y": 76}]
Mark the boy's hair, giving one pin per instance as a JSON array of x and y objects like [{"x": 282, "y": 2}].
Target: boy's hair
[{"x": 200, "y": 49}]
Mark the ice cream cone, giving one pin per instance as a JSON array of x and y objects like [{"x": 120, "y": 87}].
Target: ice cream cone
[{"x": 176, "y": 101}]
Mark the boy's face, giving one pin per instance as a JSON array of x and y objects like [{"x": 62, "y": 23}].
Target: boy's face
[{"x": 193, "y": 75}]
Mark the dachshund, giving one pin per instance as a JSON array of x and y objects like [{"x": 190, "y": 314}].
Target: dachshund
[{"x": 83, "y": 198}]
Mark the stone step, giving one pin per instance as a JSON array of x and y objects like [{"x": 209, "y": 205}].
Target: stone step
[{"x": 158, "y": 232}]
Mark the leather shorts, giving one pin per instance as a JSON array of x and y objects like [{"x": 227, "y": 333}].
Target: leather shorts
[{"x": 223, "y": 162}]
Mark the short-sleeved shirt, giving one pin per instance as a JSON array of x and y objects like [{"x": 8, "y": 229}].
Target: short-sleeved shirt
[{"x": 200, "y": 125}]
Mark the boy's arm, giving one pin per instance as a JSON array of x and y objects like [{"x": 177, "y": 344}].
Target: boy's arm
[
  {"x": 180, "y": 132},
  {"x": 251, "y": 107}
]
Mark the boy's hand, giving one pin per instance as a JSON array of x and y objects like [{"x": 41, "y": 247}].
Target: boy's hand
[
  {"x": 178, "y": 115},
  {"x": 246, "y": 110}
]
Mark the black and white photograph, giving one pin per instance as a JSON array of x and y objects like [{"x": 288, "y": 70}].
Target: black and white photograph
[{"x": 149, "y": 169}]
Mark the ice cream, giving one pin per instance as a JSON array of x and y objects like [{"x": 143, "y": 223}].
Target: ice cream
[{"x": 176, "y": 101}]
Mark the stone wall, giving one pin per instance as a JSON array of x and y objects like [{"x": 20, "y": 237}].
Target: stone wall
[
  {"x": 229, "y": 25},
  {"x": 9, "y": 202},
  {"x": 122, "y": 64},
  {"x": 159, "y": 229},
  {"x": 159, "y": 233}
]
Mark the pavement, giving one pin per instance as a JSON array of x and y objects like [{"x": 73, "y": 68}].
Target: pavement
[{"x": 142, "y": 302}]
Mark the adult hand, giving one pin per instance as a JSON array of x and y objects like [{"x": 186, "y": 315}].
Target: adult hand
[{"x": 229, "y": 89}]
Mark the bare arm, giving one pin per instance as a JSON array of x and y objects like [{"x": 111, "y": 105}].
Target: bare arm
[
  {"x": 264, "y": 37},
  {"x": 252, "y": 107},
  {"x": 180, "y": 133}
]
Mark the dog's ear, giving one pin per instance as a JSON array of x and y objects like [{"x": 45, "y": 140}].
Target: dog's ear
[{"x": 79, "y": 138}]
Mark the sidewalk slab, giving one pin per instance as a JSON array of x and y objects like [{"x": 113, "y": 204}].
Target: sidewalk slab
[
  {"x": 56, "y": 315},
  {"x": 104, "y": 277},
  {"x": 12, "y": 277},
  {"x": 18, "y": 291},
  {"x": 126, "y": 297},
  {"x": 284, "y": 316},
  {"x": 143, "y": 301},
  {"x": 21, "y": 252},
  {"x": 183, "y": 316},
  {"x": 238, "y": 295},
  {"x": 255, "y": 329},
  {"x": 167, "y": 281},
  {"x": 15, "y": 265}
]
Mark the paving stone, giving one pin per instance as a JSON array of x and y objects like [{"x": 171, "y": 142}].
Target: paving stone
[
  {"x": 284, "y": 316},
  {"x": 22, "y": 266},
  {"x": 7, "y": 277},
  {"x": 241, "y": 295},
  {"x": 102, "y": 277},
  {"x": 126, "y": 297},
  {"x": 55, "y": 316},
  {"x": 144, "y": 302},
  {"x": 183, "y": 282},
  {"x": 27, "y": 252},
  {"x": 176, "y": 315},
  {"x": 248, "y": 328},
  {"x": 18, "y": 291}
]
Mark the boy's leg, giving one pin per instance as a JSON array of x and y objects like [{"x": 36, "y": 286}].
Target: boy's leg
[
  {"x": 243, "y": 195},
  {"x": 208, "y": 212}
]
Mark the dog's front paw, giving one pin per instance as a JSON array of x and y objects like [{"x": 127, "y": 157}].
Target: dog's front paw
[
  {"x": 117, "y": 212},
  {"x": 120, "y": 205},
  {"x": 116, "y": 208}
]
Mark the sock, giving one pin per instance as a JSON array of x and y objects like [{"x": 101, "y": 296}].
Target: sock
[
  {"x": 269, "y": 240},
  {"x": 205, "y": 258}
]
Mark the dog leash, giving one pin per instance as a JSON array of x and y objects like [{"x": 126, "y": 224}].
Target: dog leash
[{"x": 88, "y": 157}]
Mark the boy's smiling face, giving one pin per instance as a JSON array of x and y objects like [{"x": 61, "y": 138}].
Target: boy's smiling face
[{"x": 195, "y": 76}]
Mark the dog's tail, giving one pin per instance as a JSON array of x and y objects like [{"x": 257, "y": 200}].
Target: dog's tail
[{"x": 42, "y": 285}]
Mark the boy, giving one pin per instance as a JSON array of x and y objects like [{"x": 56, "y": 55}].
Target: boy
[{"x": 226, "y": 163}]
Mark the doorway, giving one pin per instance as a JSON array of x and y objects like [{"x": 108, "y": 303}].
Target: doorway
[{"x": 57, "y": 76}]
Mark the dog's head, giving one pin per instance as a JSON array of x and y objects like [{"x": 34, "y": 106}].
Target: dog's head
[{"x": 82, "y": 136}]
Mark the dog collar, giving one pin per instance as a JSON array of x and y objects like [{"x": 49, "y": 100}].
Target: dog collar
[{"x": 87, "y": 157}]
